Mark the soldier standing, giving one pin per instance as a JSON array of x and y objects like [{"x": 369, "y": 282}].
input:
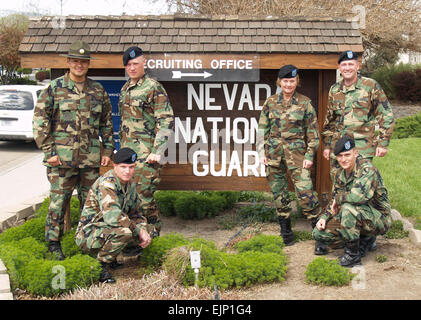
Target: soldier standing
[
  {"x": 146, "y": 122},
  {"x": 359, "y": 209},
  {"x": 112, "y": 218},
  {"x": 288, "y": 123},
  {"x": 70, "y": 115},
  {"x": 356, "y": 105}
]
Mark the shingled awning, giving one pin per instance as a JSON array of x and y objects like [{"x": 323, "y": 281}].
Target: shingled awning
[{"x": 187, "y": 34}]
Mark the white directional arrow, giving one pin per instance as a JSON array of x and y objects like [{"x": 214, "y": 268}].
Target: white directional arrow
[{"x": 179, "y": 74}]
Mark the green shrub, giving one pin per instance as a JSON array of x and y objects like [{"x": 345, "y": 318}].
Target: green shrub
[
  {"x": 407, "y": 127},
  {"x": 41, "y": 277},
  {"x": 253, "y": 196},
  {"x": 154, "y": 254},
  {"x": 68, "y": 244},
  {"x": 259, "y": 260},
  {"x": 258, "y": 212},
  {"x": 191, "y": 205},
  {"x": 34, "y": 228},
  {"x": 195, "y": 205},
  {"x": 322, "y": 271},
  {"x": 262, "y": 243},
  {"x": 165, "y": 201},
  {"x": 396, "y": 231},
  {"x": 24, "y": 252}
]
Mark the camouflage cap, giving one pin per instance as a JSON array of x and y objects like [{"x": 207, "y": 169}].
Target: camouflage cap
[
  {"x": 79, "y": 50},
  {"x": 125, "y": 155},
  {"x": 345, "y": 143}
]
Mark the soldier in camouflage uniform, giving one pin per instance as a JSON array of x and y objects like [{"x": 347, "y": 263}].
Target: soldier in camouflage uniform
[
  {"x": 70, "y": 115},
  {"x": 356, "y": 105},
  {"x": 147, "y": 120},
  {"x": 112, "y": 219},
  {"x": 288, "y": 125},
  {"x": 359, "y": 209}
]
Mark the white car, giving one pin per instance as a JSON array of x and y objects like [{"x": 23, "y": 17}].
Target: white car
[{"x": 17, "y": 104}]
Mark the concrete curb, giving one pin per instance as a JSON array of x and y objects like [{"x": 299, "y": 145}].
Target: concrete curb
[{"x": 26, "y": 211}]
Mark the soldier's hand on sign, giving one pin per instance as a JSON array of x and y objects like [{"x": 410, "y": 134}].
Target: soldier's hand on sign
[
  {"x": 264, "y": 160},
  {"x": 54, "y": 161},
  {"x": 105, "y": 161},
  {"x": 326, "y": 154},
  {"x": 153, "y": 158},
  {"x": 145, "y": 238},
  {"x": 307, "y": 164},
  {"x": 381, "y": 152}
]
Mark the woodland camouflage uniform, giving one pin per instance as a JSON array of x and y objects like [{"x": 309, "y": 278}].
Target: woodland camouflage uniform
[
  {"x": 364, "y": 208},
  {"x": 147, "y": 120},
  {"x": 111, "y": 219},
  {"x": 355, "y": 111},
  {"x": 68, "y": 123},
  {"x": 290, "y": 136}
]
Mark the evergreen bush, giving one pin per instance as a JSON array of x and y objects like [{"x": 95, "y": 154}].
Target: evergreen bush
[
  {"x": 322, "y": 271},
  {"x": 258, "y": 260},
  {"x": 195, "y": 205},
  {"x": 24, "y": 252},
  {"x": 408, "y": 127}
]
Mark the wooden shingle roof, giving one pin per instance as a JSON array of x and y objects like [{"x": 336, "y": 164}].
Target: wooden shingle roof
[{"x": 192, "y": 34}]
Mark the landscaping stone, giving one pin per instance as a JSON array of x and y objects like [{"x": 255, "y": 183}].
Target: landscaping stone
[{"x": 415, "y": 236}]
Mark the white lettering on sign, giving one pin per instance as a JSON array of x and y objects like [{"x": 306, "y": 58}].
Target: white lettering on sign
[
  {"x": 204, "y": 97},
  {"x": 174, "y": 64},
  {"x": 232, "y": 64},
  {"x": 216, "y": 64}
]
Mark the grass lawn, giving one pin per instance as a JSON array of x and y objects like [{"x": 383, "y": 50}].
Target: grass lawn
[{"x": 401, "y": 172}]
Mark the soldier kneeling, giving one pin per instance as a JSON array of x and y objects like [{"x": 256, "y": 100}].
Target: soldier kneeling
[
  {"x": 111, "y": 219},
  {"x": 359, "y": 209}
]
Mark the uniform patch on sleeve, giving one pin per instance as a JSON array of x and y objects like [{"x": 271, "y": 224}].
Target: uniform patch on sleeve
[{"x": 109, "y": 184}]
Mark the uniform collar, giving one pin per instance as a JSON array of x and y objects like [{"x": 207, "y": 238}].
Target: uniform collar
[
  {"x": 138, "y": 82},
  {"x": 293, "y": 98},
  {"x": 70, "y": 84},
  {"x": 354, "y": 86}
]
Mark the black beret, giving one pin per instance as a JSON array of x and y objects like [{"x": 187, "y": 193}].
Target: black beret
[
  {"x": 348, "y": 55},
  {"x": 125, "y": 155},
  {"x": 131, "y": 53},
  {"x": 345, "y": 143},
  {"x": 288, "y": 71}
]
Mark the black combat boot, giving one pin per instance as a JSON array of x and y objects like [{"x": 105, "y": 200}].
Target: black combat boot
[
  {"x": 286, "y": 232},
  {"x": 366, "y": 244},
  {"x": 351, "y": 255},
  {"x": 55, "y": 248},
  {"x": 105, "y": 275},
  {"x": 320, "y": 248}
]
